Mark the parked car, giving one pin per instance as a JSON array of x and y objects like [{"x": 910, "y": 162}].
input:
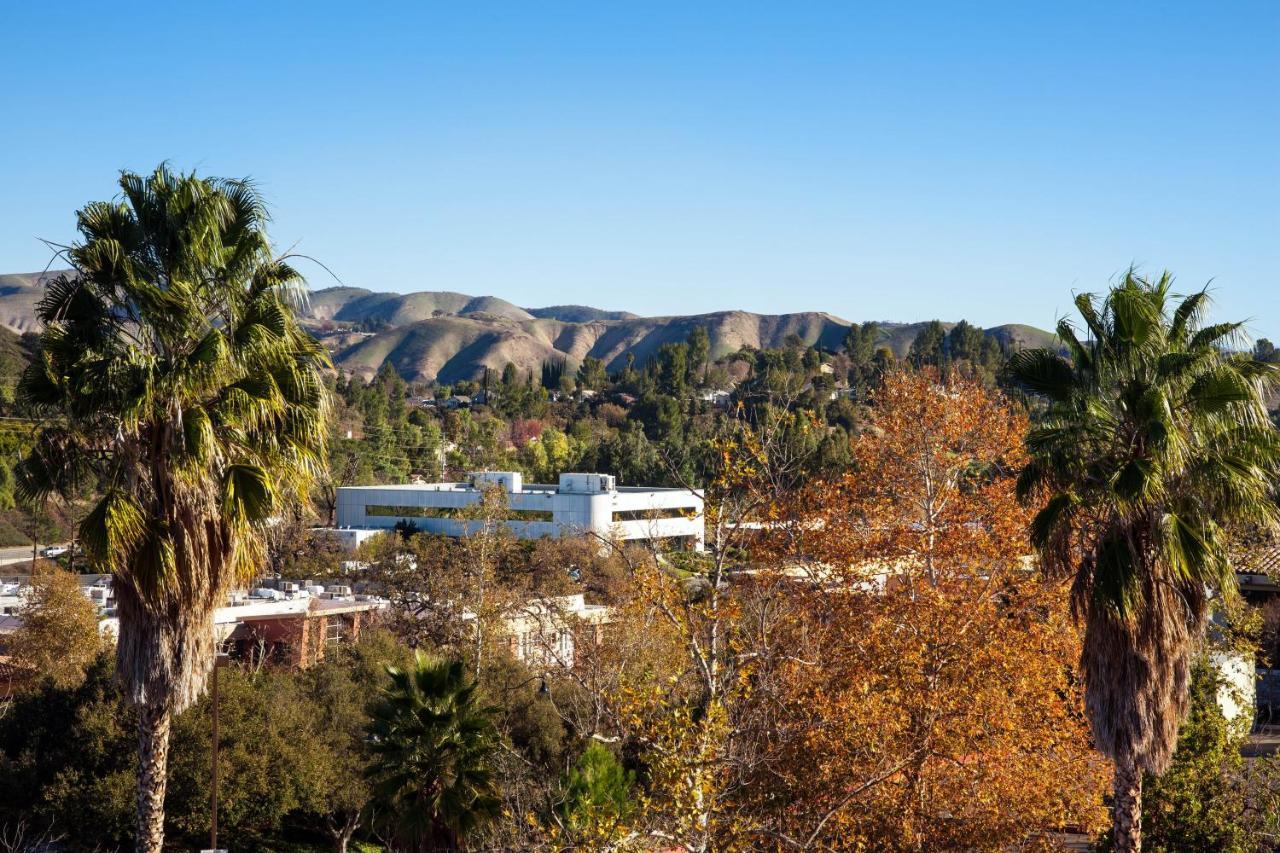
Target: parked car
[{"x": 55, "y": 551}]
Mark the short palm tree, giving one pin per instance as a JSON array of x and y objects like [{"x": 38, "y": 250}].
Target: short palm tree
[
  {"x": 1154, "y": 443},
  {"x": 174, "y": 383},
  {"x": 432, "y": 746}
]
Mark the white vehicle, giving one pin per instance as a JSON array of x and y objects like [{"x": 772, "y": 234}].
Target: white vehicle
[{"x": 55, "y": 551}]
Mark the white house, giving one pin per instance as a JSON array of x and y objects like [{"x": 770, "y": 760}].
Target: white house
[{"x": 545, "y": 632}]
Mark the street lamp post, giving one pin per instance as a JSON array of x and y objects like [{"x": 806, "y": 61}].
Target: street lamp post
[{"x": 220, "y": 660}]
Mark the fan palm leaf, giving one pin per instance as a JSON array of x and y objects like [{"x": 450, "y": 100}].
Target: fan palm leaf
[
  {"x": 1155, "y": 441},
  {"x": 174, "y": 380},
  {"x": 432, "y": 745}
]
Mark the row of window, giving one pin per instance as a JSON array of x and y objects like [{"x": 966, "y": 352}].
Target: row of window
[
  {"x": 384, "y": 511},
  {"x": 449, "y": 512}
]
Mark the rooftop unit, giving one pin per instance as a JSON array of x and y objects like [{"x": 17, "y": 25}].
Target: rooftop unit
[
  {"x": 511, "y": 482},
  {"x": 587, "y": 484}
]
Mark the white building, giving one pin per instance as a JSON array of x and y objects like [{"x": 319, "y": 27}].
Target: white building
[
  {"x": 716, "y": 397},
  {"x": 579, "y": 504},
  {"x": 545, "y": 632}
]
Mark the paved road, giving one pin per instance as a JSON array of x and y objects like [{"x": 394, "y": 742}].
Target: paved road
[{"x": 17, "y": 554}]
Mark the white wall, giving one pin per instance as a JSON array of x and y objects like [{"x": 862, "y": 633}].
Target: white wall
[{"x": 573, "y": 512}]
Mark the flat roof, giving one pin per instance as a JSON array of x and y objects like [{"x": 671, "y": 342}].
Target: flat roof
[{"x": 527, "y": 488}]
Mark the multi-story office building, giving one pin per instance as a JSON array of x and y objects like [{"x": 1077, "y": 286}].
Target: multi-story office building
[{"x": 579, "y": 504}]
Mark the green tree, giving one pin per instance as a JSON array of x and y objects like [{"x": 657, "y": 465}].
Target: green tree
[
  {"x": 270, "y": 748},
  {"x": 673, "y": 368},
  {"x": 591, "y": 374},
  {"x": 927, "y": 348},
  {"x": 432, "y": 747},
  {"x": 173, "y": 373},
  {"x": 597, "y": 796},
  {"x": 336, "y": 691},
  {"x": 860, "y": 347},
  {"x": 552, "y": 373},
  {"x": 860, "y": 342},
  {"x": 1154, "y": 441},
  {"x": 1201, "y": 801},
  {"x": 67, "y": 759},
  {"x": 699, "y": 342},
  {"x": 965, "y": 341},
  {"x": 292, "y": 745}
]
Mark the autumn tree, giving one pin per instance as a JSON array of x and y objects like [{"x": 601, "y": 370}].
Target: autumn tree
[
  {"x": 923, "y": 693},
  {"x": 59, "y": 636},
  {"x": 675, "y": 684},
  {"x": 445, "y": 592}
]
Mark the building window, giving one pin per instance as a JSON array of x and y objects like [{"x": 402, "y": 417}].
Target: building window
[
  {"x": 464, "y": 513},
  {"x": 281, "y": 653},
  {"x": 654, "y": 514},
  {"x": 333, "y": 633}
]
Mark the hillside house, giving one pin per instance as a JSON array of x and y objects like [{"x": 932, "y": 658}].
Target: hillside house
[{"x": 547, "y": 633}]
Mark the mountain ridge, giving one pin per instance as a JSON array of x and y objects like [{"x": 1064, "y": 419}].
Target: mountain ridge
[{"x": 447, "y": 336}]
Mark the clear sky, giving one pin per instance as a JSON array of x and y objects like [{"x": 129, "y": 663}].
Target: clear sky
[{"x": 930, "y": 160}]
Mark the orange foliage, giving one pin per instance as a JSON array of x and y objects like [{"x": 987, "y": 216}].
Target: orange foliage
[{"x": 917, "y": 674}]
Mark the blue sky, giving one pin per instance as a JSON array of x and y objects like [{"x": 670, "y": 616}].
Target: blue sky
[{"x": 944, "y": 160}]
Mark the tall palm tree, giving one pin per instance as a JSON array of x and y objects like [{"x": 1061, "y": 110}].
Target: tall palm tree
[
  {"x": 432, "y": 746},
  {"x": 1154, "y": 442},
  {"x": 173, "y": 382}
]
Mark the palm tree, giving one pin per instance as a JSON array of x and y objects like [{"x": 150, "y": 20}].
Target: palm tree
[
  {"x": 174, "y": 382},
  {"x": 432, "y": 744},
  {"x": 1154, "y": 443}
]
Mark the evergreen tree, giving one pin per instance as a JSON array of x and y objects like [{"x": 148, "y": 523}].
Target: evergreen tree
[
  {"x": 552, "y": 374},
  {"x": 928, "y": 344},
  {"x": 964, "y": 342},
  {"x": 860, "y": 346},
  {"x": 591, "y": 373},
  {"x": 699, "y": 354},
  {"x": 597, "y": 797},
  {"x": 1200, "y": 802}
]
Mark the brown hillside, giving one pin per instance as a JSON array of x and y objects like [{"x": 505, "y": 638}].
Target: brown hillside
[{"x": 446, "y": 336}]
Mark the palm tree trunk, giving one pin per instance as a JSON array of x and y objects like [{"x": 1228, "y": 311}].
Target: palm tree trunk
[
  {"x": 1127, "y": 808},
  {"x": 153, "y": 766}
]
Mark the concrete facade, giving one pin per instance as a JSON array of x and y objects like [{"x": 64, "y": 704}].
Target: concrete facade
[{"x": 579, "y": 504}]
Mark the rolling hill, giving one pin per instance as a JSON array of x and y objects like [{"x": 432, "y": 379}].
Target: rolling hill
[
  {"x": 452, "y": 348},
  {"x": 19, "y": 293},
  {"x": 446, "y": 336}
]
